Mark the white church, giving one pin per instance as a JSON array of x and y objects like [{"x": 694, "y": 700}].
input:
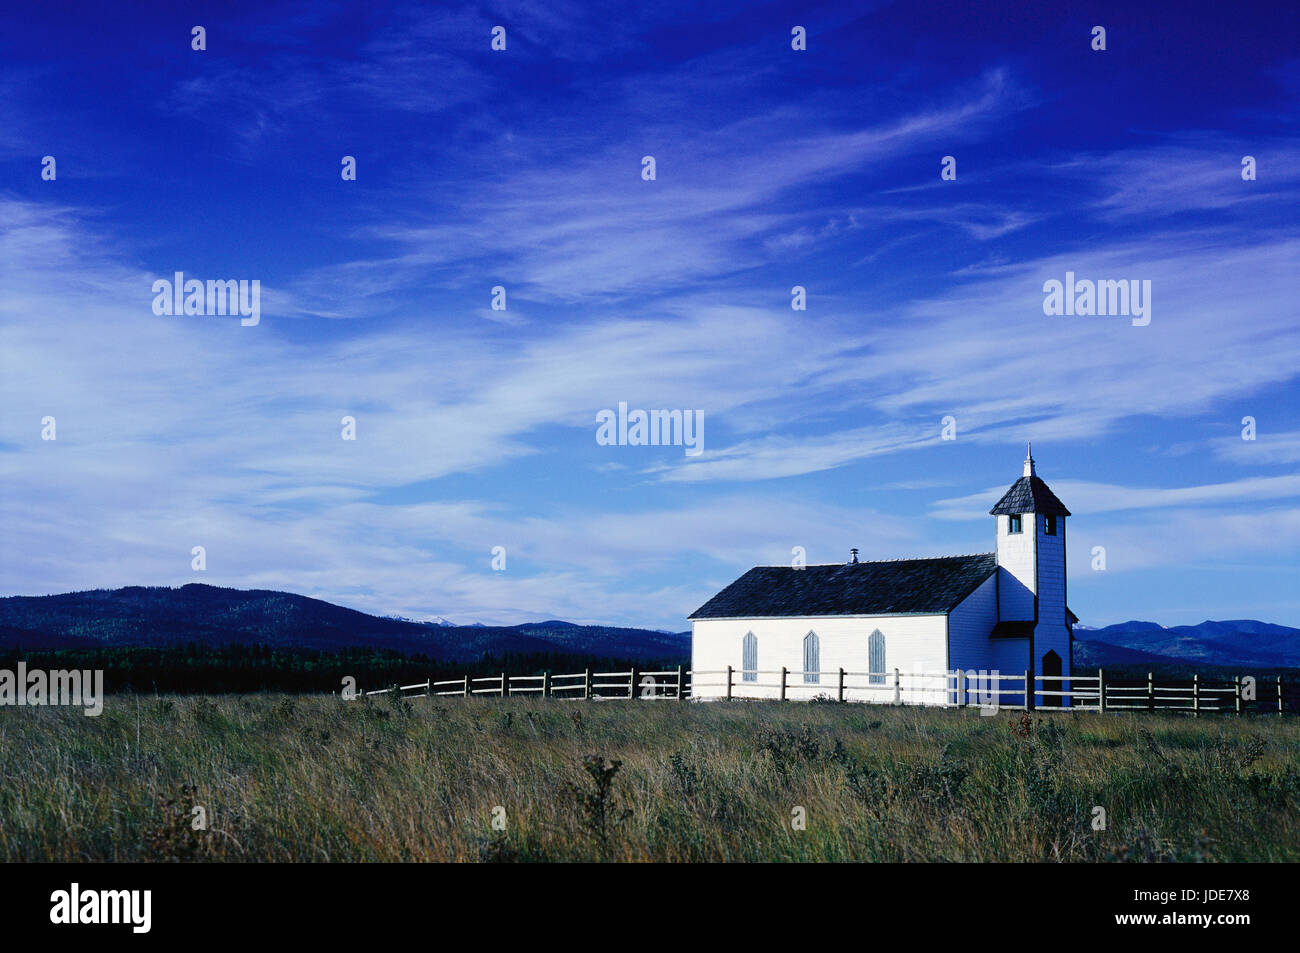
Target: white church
[{"x": 890, "y": 631}]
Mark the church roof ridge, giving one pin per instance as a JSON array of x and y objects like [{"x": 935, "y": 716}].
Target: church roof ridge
[{"x": 870, "y": 562}]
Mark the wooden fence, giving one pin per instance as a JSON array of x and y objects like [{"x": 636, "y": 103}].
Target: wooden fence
[
  {"x": 957, "y": 689},
  {"x": 588, "y": 685}
]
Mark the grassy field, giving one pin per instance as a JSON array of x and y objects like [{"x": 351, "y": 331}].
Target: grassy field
[{"x": 317, "y": 779}]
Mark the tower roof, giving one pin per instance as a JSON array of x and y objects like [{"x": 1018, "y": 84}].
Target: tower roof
[{"x": 1030, "y": 494}]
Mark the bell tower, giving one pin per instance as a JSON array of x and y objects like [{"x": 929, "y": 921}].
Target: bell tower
[{"x": 1031, "y": 550}]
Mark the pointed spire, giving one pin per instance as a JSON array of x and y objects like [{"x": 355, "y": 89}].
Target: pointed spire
[{"x": 1029, "y": 459}]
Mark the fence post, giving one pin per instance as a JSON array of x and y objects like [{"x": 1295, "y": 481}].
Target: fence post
[
  {"x": 1236, "y": 693},
  {"x": 1151, "y": 692},
  {"x": 631, "y": 683},
  {"x": 1279, "y": 696},
  {"x": 898, "y": 693},
  {"x": 1029, "y": 689},
  {"x": 505, "y": 685},
  {"x": 546, "y": 683},
  {"x": 681, "y": 685},
  {"x": 586, "y": 683},
  {"x": 783, "y": 674},
  {"x": 428, "y": 687},
  {"x": 1101, "y": 691},
  {"x": 959, "y": 689},
  {"x": 1196, "y": 696},
  {"x": 467, "y": 686},
  {"x": 841, "y": 684},
  {"x": 728, "y": 683}
]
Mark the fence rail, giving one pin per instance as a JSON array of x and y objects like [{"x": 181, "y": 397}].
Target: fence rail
[{"x": 954, "y": 689}]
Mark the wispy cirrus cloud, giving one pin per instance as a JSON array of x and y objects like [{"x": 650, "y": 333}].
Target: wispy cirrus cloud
[
  {"x": 1189, "y": 172},
  {"x": 595, "y": 229},
  {"x": 957, "y": 354},
  {"x": 1268, "y": 448}
]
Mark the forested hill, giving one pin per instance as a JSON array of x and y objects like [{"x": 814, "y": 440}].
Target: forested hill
[{"x": 155, "y": 616}]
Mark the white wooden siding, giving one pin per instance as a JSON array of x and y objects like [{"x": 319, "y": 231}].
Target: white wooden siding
[
  {"x": 969, "y": 626},
  {"x": 914, "y": 643},
  {"x": 1016, "y": 566},
  {"x": 1051, "y": 573}
]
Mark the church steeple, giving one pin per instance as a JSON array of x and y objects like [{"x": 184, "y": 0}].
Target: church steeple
[
  {"x": 1031, "y": 549},
  {"x": 1029, "y": 494}
]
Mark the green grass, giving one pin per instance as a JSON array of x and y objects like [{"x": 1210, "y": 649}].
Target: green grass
[{"x": 318, "y": 779}]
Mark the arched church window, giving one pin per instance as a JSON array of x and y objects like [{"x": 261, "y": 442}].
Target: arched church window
[
  {"x": 876, "y": 658},
  {"x": 749, "y": 658},
  {"x": 812, "y": 659}
]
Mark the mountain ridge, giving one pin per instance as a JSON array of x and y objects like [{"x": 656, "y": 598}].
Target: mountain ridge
[{"x": 1212, "y": 642}]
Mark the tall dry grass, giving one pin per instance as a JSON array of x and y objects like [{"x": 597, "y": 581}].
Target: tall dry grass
[{"x": 318, "y": 779}]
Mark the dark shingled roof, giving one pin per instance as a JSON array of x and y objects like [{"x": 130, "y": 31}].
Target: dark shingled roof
[
  {"x": 867, "y": 588},
  {"x": 1030, "y": 495}
]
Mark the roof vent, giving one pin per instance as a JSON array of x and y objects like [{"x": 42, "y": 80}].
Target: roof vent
[{"x": 853, "y": 555}]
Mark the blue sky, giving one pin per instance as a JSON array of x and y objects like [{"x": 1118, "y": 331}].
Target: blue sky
[{"x": 775, "y": 168}]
